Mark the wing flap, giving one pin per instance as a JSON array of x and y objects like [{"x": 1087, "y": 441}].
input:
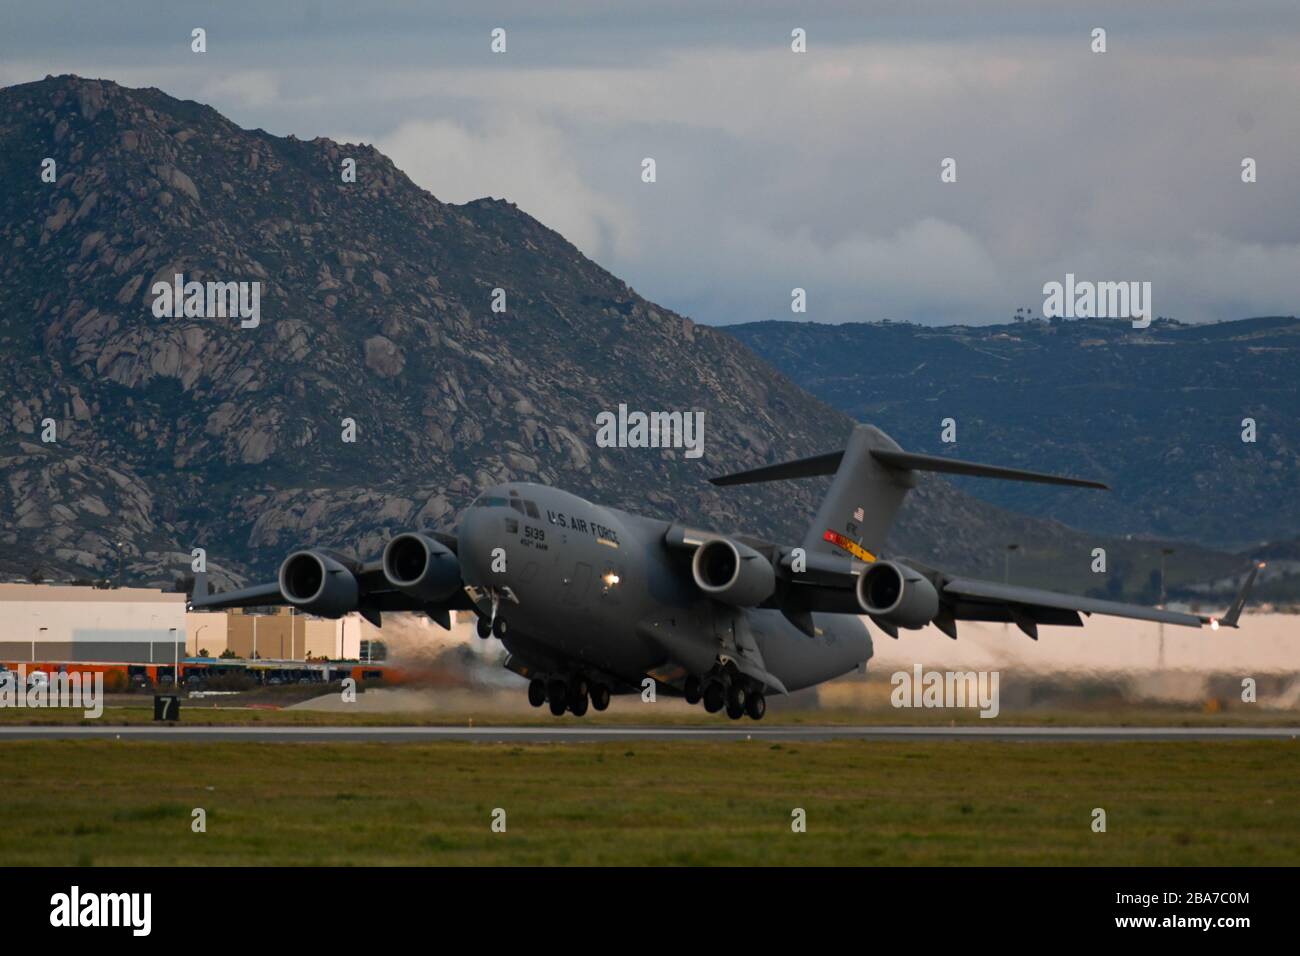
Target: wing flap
[{"x": 1015, "y": 595}]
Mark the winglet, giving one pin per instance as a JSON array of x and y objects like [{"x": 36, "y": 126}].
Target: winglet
[{"x": 1233, "y": 613}]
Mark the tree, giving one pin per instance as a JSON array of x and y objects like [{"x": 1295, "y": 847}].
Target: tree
[{"x": 36, "y": 575}]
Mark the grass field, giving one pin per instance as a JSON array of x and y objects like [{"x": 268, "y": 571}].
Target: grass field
[{"x": 102, "y": 802}]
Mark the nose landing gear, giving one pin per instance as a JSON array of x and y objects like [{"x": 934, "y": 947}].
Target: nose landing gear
[{"x": 493, "y": 624}]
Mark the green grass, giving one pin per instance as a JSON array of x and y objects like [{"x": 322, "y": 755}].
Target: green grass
[{"x": 1183, "y": 803}]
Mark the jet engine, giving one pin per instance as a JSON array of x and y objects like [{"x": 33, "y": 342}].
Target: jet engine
[
  {"x": 897, "y": 594},
  {"x": 733, "y": 573},
  {"x": 316, "y": 582},
  {"x": 421, "y": 567}
]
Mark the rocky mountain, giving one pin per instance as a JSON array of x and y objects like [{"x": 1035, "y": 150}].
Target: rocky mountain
[
  {"x": 1156, "y": 413},
  {"x": 162, "y": 433}
]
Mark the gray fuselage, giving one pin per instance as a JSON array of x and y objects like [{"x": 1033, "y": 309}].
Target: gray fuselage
[{"x": 597, "y": 590}]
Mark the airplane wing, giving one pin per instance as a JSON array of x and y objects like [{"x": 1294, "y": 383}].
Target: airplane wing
[
  {"x": 827, "y": 583},
  {"x": 375, "y": 593},
  {"x": 973, "y": 600}
]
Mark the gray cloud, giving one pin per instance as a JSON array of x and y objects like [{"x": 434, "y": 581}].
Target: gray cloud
[{"x": 778, "y": 170}]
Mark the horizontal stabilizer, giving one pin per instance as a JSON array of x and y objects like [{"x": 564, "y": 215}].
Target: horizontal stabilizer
[
  {"x": 953, "y": 466},
  {"x": 800, "y": 468}
]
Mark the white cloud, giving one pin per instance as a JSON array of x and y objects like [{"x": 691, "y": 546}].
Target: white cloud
[{"x": 516, "y": 158}]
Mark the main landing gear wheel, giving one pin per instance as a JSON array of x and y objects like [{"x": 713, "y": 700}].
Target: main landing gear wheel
[
  {"x": 756, "y": 706},
  {"x": 736, "y": 700},
  {"x": 578, "y": 706},
  {"x": 600, "y": 697},
  {"x": 499, "y": 627},
  {"x": 557, "y": 696},
  {"x": 715, "y": 697},
  {"x": 692, "y": 690},
  {"x": 537, "y": 692},
  {"x": 484, "y": 628}
]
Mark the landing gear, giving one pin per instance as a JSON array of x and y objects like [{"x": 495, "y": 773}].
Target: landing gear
[
  {"x": 492, "y": 624},
  {"x": 756, "y": 706},
  {"x": 578, "y": 705},
  {"x": 692, "y": 690},
  {"x": 600, "y": 696},
  {"x": 537, "y": 692},
  {"x": 715, "y": 696},
  {"x": 736, "y": 700},
  {"x": 557, "y": 696}
]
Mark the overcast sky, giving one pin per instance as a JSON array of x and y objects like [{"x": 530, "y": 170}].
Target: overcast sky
[{"x": 775, "y": 169}]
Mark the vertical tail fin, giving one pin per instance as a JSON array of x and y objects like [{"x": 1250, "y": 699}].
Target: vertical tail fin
[
  {"x": 858, "y": 510},
  {"x": 863, "y": 499}
]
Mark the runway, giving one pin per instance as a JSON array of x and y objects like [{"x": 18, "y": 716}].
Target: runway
[{"x": 571, "y": 734}]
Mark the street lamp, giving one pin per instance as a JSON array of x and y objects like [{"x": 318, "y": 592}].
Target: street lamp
[
  {"x": 1006, "y": 568},
  {"x": 1164, "y": 553},
  {"x": 117, "y": 546}
]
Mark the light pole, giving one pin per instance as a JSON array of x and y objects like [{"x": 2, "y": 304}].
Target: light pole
[
  {"x": 118, "y": 545},
  {"x": 1006, "y": 567},
  {"x": 1164, "y": 553},
  {"x": 197, "y": 632},
  {"x": 176, "y": 659}
]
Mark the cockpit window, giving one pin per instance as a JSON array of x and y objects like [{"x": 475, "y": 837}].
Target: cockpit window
[
  {"x": 532, "y": 510},
  {"x": 517, "y": 505},
  {"x": 488, "y": 501}
]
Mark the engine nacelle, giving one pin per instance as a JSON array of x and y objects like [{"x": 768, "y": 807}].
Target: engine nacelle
[
  {"x": 897, "y": 594},
  {"x": 421, "y": 567},
  {"x": 318, "y": 584},
  {"x": 733, "y": 573}
]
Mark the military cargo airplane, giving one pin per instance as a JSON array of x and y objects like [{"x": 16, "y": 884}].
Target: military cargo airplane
[{"x": 591, "y": 601}]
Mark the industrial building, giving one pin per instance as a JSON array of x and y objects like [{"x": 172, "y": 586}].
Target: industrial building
[
  {"x": 277, "y": 634},
  {"x": 50, "y": 622}
]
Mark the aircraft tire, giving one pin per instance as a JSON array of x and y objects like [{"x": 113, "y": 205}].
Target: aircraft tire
[
  {"x": 715, "y": 697},
  {"x": 484, "y": 628},
  {"x": 756, "y": 706},
  {"x": 558, "y": 697},
  {"x": 499, "y": 628},
  {"x": 692, "y": 690},
  {"x": 736, "y": 699},
  {"x": 537, "y": 692},
  {"x": 600, "y": 696},
  {"x": 579, "y": 706}
]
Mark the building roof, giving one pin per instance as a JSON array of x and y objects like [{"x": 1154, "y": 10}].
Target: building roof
[{"x": 71, "y": 593}]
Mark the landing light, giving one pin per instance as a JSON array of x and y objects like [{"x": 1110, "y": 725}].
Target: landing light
[
  {"x": 610, "y": 579},
  {"x": 1214, "y": 624}
]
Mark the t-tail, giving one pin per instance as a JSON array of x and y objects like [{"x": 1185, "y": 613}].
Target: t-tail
[{"x": 872, "y": 477}]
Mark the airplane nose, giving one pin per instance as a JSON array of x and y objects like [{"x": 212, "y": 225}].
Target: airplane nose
[{"x": 475, "y": 546}]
